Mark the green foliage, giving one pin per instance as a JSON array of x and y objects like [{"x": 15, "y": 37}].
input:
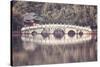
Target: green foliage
[{"x": 85, "y": 15}]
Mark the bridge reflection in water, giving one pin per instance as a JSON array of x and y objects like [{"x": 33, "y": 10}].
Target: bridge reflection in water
[{"x": 39, "y": 50}]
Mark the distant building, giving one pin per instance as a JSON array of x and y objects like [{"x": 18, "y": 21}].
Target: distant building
[{"x": 31, "y": 19}]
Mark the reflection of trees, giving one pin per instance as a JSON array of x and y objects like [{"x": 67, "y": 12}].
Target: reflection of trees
[
  {"x": 16, "y": 43},
  {"x": 45, "y": 54}
]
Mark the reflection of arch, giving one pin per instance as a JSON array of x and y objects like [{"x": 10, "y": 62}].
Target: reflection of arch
[
  {"x": 45, "y": 33},
  {"x": 38, "y": 39},
  {"x": 34, "y": 33},
  {"x": 71, "y": 33},
  {"x": 80, "y": 33},
  {"x": 29, "y": 45},
  {"x": 58, "y": 33}
]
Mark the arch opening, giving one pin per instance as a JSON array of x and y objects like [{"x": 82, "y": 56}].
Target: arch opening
[
  {"x": 58, "y": 33},
  {"x": 71, "y": 33},
  {"x": 34, "y": 33},
  {"x": 45, "y": 33}
]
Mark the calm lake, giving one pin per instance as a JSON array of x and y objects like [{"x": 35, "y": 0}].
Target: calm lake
[{"x": 25, "y": 51}]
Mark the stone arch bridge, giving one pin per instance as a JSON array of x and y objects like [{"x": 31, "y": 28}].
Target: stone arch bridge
[
  {"x": 50, "y": 28},
  {"x": 56, "y": 34}
]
